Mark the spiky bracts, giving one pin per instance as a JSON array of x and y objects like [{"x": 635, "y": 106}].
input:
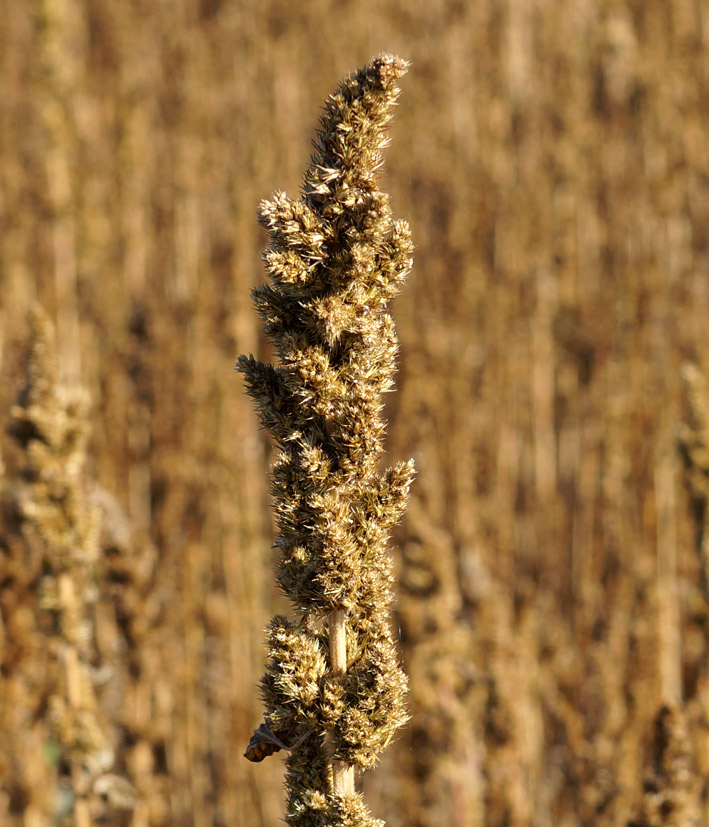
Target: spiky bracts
[{"x": 336, "y": 258}]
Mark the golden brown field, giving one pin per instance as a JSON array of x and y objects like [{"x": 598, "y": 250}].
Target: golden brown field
[{"x": 552, "y": 158}]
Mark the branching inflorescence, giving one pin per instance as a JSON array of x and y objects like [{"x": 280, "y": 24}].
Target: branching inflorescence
[{"x": 334, "y": 691}]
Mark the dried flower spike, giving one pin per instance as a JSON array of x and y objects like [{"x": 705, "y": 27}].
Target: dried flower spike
[
  {"x": 52, "y": 511},
  {"x": 336, "y": 258}
]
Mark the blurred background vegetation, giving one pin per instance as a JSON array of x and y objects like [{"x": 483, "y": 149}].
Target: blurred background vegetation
[{"x": 552, "y": 158}]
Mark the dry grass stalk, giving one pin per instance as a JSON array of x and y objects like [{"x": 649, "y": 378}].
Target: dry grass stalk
[{"x": 336, "y": 259}]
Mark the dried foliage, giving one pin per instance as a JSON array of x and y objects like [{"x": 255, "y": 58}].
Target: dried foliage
[
  {"x": 551, "y": 160},
  {"x": 672, "y": 791},
  {"x": 335, "y": 259},
  {"x": 49, "y": 579}
]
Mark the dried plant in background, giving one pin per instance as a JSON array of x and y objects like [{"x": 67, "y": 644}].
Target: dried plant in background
[
  {"x": 694, "y": 444},
  {"x": 694, "y": 448},
  {"x": 54, "y": 529},
  {"x": 671, "y": 793},
  {"x": 333, "y": 689}
]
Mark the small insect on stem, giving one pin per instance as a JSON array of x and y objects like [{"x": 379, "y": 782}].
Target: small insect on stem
[{"x": 265, "y": 742}]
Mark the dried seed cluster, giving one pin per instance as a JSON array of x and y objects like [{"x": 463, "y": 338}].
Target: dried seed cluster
[
  {"x": 48, "y": 506},
  {"x": 336, "y": 258}
]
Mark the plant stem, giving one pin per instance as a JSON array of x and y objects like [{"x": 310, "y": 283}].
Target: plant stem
[
  {"x": 72, "y": 669},
  {"x": 342, "y": 773}
]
